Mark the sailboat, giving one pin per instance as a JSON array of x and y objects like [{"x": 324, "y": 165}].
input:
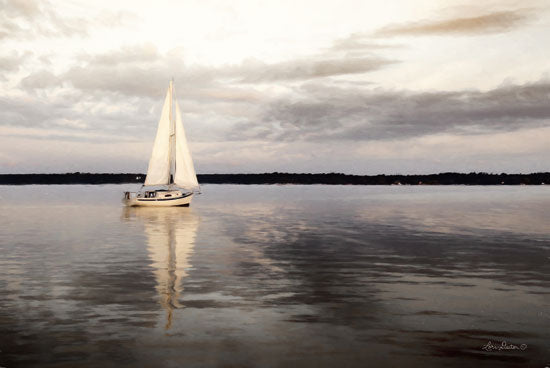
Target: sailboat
[{"x": 171, "y": 166}]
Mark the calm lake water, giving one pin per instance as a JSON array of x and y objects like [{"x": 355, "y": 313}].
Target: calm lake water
[{"x": 276, "y": 276}]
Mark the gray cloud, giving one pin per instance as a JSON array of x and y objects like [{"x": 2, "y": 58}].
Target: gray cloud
[
  {"x": 34, "y": 112},
  {"x": 359, "y": 43},
  {"x": 304, "y": 69},
  {"x": 142, "y": 71},
  {"x": 496, "y": 22},
  {"x": 324, "y": 113},
  {"x": 12, "y": 63},
  {"x": 75, "y": 112},
  {"x": 132, "y": 71},
  {"x": 40, "y": 79},
  {"x": 129, "y": 80}
]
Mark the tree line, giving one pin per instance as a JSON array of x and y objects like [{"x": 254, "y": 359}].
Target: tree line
[{"x": 448, "y": 178}]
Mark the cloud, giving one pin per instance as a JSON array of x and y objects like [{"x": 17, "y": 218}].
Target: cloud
[
  {"x": 40, "y": 79},
  {"x": 32, "y": 112},
  {"x": 23, "y": 8},
  {"x": 358, "y": 43},
  {"x": 13, "y": 62},
  {"x": 135, "y": 54},
  {"x": 323, "y": 113},
  {"x": 71, "y": 111},
  {"x": 143, "y": 80},
  {"x": 142, "y": 71},
  {"x": 32, "y": 18},
  {"x": 304, "y": 69},
  {"x": 128, "y": 80},
  {"x": 28, "y": 19},
  {"x": 496, "y": 22},
  {"x": 62, "y": 135},
  {"x": 132, "y": 71}
]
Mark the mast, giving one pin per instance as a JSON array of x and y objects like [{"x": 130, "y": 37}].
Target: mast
[{"x": 172, "y": 136}]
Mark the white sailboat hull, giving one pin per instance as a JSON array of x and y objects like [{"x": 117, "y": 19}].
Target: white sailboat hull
[{"x": 183, "y": 200}]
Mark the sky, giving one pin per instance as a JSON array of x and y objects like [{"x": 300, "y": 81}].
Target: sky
[{"x": 359, "y": 87}]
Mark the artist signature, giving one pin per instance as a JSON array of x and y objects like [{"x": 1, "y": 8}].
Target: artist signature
[{"x": 493, "y": 346}]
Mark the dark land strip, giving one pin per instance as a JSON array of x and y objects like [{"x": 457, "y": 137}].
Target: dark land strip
[{"x": 290, "y": 178}]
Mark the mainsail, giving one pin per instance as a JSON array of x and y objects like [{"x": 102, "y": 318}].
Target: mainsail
[
  {"x": 171, "y": 150},
  {"x": 158, "y": 172}
]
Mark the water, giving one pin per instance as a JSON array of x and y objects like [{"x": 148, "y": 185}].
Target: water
[{"x": 276, "y": 276}]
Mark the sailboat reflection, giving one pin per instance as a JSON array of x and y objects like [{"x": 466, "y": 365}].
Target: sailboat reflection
[{"x": 171, "y": 234}]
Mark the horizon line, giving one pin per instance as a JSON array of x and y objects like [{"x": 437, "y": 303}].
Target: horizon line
[{"x": 289, "y": 173}]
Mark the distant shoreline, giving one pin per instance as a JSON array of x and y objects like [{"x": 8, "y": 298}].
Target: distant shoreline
[{"x": 289, "y": 178}]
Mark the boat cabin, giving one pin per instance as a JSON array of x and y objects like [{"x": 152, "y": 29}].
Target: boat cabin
[{"x": 159, "y": 194}]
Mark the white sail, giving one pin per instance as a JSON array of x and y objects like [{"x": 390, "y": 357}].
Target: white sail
[
  {"x": 185, "y": 175},
  {"x": 158, "y": 172}
]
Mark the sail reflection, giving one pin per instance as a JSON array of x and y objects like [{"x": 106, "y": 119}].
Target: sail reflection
[{"x": 171, "y": 234}]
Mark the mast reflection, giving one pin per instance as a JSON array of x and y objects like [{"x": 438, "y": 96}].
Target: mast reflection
[{"x": 171, "y": 234}]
